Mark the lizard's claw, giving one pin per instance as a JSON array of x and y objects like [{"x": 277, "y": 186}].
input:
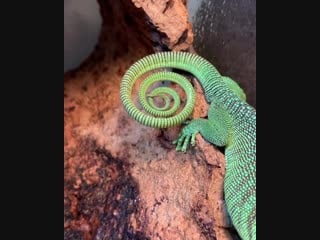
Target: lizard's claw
[{"x": 185, "y": 137}]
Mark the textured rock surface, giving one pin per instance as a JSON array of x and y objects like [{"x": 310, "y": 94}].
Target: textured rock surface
[
  {"x": 124, "y": 180},
  {"x": 170, "y": 17}
]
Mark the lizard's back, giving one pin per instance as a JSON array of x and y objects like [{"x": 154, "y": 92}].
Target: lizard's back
[{"x": 240, "y": 179}]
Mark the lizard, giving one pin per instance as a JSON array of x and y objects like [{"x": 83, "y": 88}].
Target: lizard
[{"x": 231, "y": 122}]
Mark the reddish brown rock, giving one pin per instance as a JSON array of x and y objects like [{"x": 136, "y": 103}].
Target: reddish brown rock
[{"x": 170, "y": 17}]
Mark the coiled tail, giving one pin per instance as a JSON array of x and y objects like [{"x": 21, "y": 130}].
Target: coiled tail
[
  {"x": 154, "y": 116},
  {"x": 168, "y": 115}
]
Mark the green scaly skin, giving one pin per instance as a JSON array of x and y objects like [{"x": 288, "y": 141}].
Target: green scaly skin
[{"x": 231, "y": 123}]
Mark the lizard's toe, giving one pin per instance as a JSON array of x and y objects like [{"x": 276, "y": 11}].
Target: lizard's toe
[
  {"x": 186, "y": 143},
  {"x": 193, "y": 139},
  {"x": 179, "y": 141}
]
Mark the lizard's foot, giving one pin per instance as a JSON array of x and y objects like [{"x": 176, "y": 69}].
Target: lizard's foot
[{"x": 187, "y": 135}]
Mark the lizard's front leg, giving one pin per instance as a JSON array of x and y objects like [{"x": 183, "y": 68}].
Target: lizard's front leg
[{"x": 210, "y": 130}]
